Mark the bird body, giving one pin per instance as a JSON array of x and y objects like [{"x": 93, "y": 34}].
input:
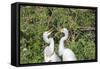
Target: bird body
[
  {"x": 49, "y": 54},
  {"x": 51, "y": 58},
  {"x": 66, "y": 53}
]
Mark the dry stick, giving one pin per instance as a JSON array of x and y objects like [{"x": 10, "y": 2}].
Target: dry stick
[{"x": 86, "y": 29}]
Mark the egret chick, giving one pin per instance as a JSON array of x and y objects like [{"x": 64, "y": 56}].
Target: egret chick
[
  {"x": 49, "y": 54},
  {"x": 66, "y": 53}
]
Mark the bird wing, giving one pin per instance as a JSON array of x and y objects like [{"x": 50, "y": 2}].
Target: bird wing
[
  {"x": 55, "y": 58},
  {"x": 47, "y": 51},
  {"x": 68, "y": 55},
  {"x": 50, "y": 57}
]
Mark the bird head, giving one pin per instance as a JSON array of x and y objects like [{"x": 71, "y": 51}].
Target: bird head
[
  {"x": 47, "y": 33},
  {"x": 63, "y": 30}
]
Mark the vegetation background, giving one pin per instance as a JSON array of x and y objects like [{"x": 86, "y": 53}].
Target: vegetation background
[{"x": 34, "y": 20}]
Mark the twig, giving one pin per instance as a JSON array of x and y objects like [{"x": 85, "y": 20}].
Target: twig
[{"x": 87, "y": 29}]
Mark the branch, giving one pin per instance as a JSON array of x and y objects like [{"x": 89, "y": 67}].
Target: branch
[{"x": 87, "y": 29}]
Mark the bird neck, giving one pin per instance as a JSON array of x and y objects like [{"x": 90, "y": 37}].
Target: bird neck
[
  {"x": 65, "y": 37},
  {"x": 51, "y": 44},
  {"x": 61, "y": 45},
  {"x": 46, "y": 39}
]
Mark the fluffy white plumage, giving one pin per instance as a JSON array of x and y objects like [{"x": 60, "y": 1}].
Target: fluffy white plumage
[
  {"x": 49, "y": 54},
  {"x": 66, "y": 53}
]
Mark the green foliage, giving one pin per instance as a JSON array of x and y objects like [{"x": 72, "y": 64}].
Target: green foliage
[{"x": 34, "y": 20}]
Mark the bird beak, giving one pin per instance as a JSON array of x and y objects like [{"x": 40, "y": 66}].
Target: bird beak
[
  {"x": 61, "y": 30},
  {"x": 50, "y": 31}
]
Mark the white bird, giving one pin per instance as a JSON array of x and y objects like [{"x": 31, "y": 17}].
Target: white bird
[
  {"x": 49, "y": 54},
  {"x": 66, "y": 53}
]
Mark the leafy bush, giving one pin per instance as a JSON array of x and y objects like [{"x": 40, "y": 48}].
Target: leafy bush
[{"x": 34, "y": 20}]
